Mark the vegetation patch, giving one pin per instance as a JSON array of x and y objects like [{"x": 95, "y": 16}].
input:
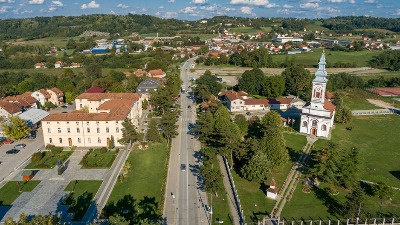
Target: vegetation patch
[
  {"x": 13, "y": 189},
  {"x": 81, "y": 194},
  {"x": 48, "y": 159},
  {"x": 140, "y": 194},
  {"x": 98, "y": 158}
]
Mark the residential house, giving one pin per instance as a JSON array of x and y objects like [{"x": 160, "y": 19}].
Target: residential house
[
  {"x": 40, "y": 65},
  {"x": 148, "y": 85},
  {"x": 56, "y": 96},
  {"x": 42, "y": 96},
  {"x": 140, "y": 72},
  {"x": 239, "y": 101},
  {"x": 97, "y": 126},
  {"x": 59, "y": 64},
  {"x": 75, "y": 65},
  {"x": 8, "y": 109},
  {"x": 287, "y": 103},
  {"x": 158, "y": 73},
  {"x": 24, "y": 101}
]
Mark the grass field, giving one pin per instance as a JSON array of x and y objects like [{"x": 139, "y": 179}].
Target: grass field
[
  {"x": 57, "y": 72},
  {"x": 60, "y": 42},
  {"x": 254, "y": 202},
  {"x": 356, "y": 99},
  {"x": 143, "y": 186},
  {"x": 249, "y": 30},
  {"x": 311, "y": 59},
  {"x": 10, "y": 191},
  {"x": 80, "y": 197},
  {"x": 49, "y": 160}
]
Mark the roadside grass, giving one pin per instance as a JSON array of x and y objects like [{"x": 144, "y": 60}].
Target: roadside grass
[
  {"x": 310, "y": 59},
  {"x": 254, "y": 201},
  {"x": 220, "y": 204},
  {"x": 10, "y": 191},
  {"x": 49, "y": 160},
  {"x": 143, "y": 188},
  {"x": 98, "y": 159},
  {"x": 81, "y": 194}
]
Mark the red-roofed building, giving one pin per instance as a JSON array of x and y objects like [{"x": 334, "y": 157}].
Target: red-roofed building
[
  {"x": 95, "y": 89},
  {"x": 157, "y": 73},
  {"x": 8, "y": 109},
  {"x": 56, "y": 96},
  {"x": 40, "y": 65}
]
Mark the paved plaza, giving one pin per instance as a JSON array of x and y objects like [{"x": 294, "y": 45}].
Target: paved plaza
[{"x": 46, "y": 198}]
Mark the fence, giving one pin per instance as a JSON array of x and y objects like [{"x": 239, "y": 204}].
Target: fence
[
  {"x": 371, "y": 221},
  {"x": 374, "y": 112},
  {"x": 237, "y": 200}
]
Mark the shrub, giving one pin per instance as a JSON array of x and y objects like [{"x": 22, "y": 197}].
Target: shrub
[
  {"x": 103, "y": 150},
  {"x": 56, "y": 150},
  {"x": 49, "y": 146},
  {"x": 36, "y": 157}
]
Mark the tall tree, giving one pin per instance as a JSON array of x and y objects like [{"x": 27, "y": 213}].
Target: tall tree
[
  {"x": 241, "y": 122},
  {"x": 129, "y": 133},
  {"x": 15, "y": 128},
  {"x": 257, "y": 167},
  {"x": 353, "y": 204},
  {"x": 383, "y": 192},
  {"x": 168, "y": 125},
  {"x": 297, "y": 81},
  {"x": 205, "y": 126},
  {"x": 153, "y": 135},
  {"x": 210, "y": 172}
]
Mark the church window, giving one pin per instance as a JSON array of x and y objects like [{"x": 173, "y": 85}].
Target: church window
[
  {"x": 323, "y": 127},
  {"x": 318, "y": 94},
  {"x": 304, "y": 123},
  {"x": 314, "y": 123}
]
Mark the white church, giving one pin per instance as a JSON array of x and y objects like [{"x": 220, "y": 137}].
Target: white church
[{"x": 317, "y": 116}]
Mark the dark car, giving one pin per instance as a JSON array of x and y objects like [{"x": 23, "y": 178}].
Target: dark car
[
  {"x": 183, "y": 167},
  {"x": 12, "y": 151},
  {"x": 20, "y": 146},
  {"x": 248, "y": 113}
]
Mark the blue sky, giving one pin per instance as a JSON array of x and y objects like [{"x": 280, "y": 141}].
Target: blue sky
[{"x": 198, "y": 9}]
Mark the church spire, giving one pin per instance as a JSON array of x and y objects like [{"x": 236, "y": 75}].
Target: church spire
[{"x": 320, "y": 75}]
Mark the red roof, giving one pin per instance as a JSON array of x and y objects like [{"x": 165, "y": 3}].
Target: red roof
[
  {"x": 95, "y": 89},
  {"x": 253, "y": 101},
  {"x": 280, "y": 100},
  {"x": 10, "y": 107},
  {"x": 329, "y": 95},
  {"x": 329, "y": 106},
  {"x": 45, "y": 93},
  {"x": 58, "y": 92},
  {"x": 157, "y": 72},
  {"x": 231, "y": 95}
]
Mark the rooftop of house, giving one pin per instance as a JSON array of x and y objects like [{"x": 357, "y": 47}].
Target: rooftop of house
[
  {"x": 103, "y": 96},
  {"x": 156, "y": 72},
  {"x": 95, "y": 89},
  {"x": 10, "y": 107},
  {"x": 149, "y": 83}
]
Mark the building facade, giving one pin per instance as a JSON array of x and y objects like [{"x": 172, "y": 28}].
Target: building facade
[
  {"x": 318, "y": 115},
  {"x": 96, "y": 122}
]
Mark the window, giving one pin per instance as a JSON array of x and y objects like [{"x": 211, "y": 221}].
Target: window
[
  {"x": 323, "y": 127},
  {"x": 78, "y": 130},
  {"x": 69, "y": 130},
  {"x": 48, "y": 122},
  {"x": 117, "y": 129},
  {"x": 59, "y": 130},
  {"x": 97, "y": 123},
  {"x": 107, "y": 130},
  {"x": 87, "y": 123},
  {"x": 88, "y": 130},
  {"x": 60, "y": 139},
  {"x": 79, "y": 140},
  {"x": 314, "y": 123},
  {"x": 48, "y": 130},
  {"x": 77, "y": 123},
  {"x": 58, "y": 122},
  {"x": 99, "y": 140},
  {"x": 50, "y": 140},
  {"x": 89, "y": 140},
  {"x": 98, "y": 130},
  {"x": 67, "y": 122},
  {"x": 304, "y": 123},
  {"x": 80, "y": 105},
  {"x": 106, "y": 122}
]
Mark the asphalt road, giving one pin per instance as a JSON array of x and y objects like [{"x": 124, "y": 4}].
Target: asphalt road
[{"x": 185, "y": 203}]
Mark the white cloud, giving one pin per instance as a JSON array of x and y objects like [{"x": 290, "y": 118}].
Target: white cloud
[
  {"x": 52, "y": 9},
  {"x": 57, "y": 3},
  {"x": 171, "y": 1},
  {"x": 341, "y": 1},
  {"x": 199, "y": 1},
  {"x": 397, "y": 13},
  {"x": 112, "y": 12},
  {"x": 188, "y": 10},
  {"x": 352, "y": 1},
  {"x": 122, "y": 6},
  {"x": 4, "y": 9},
  {"x": 312, "y": 1},
  {"x": 36, "y": 2},
  {"x": 26, "y": 11},
  {"x": 250, "y": 2},
  {"x": 8, "y": 1},
  {"x": 309, "y": 5},
  {"x": 91, "y": 5},
  {"x": 369, "y": 1},
  {"x": 246, "y": 10},
  {"x": 169, "y": 15},
  {"x": 286, "y": 6},
  {"x": 161, "y": 7}
]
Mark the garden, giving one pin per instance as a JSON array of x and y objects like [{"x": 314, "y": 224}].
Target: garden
[
  {"x": 100, "y": 158},
  {"x": 80, "y": 196},
  {"x": 48, "y": 159}
]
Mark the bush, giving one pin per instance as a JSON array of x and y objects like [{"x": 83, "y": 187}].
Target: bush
[
  {"x": 56, "y": 150},
  {"x": 103, "y": 150},
  {"x": 36, "y": 157},
  {"x": 49, "y": 146}
]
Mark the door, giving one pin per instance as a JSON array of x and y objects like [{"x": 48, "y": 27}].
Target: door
[
  {"x": 313, "y": 131},
  {"x": 108, "y": 141},
  {"x": 70, "y": 142}
]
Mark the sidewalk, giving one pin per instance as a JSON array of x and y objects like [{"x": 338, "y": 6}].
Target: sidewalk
[{"x": 228, "y": 188}]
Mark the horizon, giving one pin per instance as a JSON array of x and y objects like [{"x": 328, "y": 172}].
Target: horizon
[{"x": 203, "y": 9}]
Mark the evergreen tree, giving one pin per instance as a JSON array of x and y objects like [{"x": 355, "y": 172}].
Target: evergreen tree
[
  {"x": 168, "y": 125},
  {"x": 241, "y": 122},
  {"x": 129, "y": 133},
  {"x": 257, "y": 168},
  {"x": 205, "y": 126},
  {"x": 210, "y": 172},
  {"x": 153, "y": 135},
  {"x": 354, "y": 202},
  {"x": 111, "y": 145}
]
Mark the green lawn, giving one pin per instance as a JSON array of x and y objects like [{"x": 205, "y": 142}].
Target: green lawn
[
  {"x": 80, "y": 197},
  {"x": 49, "y": 160},
  {"x": 249, "y": 30},
  {"x": 57, "y": 72},
  {"x": 143, "y": 188},
  {"x": 356, "y": 99},
  {"x": 10, "y": 191},
  {"x": 310, "y": 59},
  {"x": 98, "y": 159}
]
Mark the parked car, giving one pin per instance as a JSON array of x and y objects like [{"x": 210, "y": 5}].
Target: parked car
[
  {"x": 20, "y": 146},
  {"x": 8, "y": 142},
  {"x": 12, "y": 151}
]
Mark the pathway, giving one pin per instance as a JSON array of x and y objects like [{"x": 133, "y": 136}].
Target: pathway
[
  {"x": 292, "y": 179},
  {"x": 231, "y": 198}
]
